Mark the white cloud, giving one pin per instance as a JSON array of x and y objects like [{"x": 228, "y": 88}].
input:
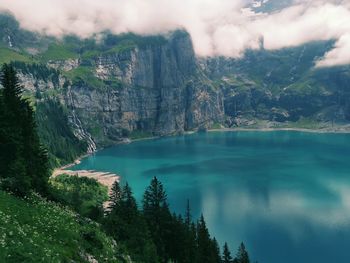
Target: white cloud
[
  {"x": 217, "y": 27},
  {"x": 339, "y": 55}
]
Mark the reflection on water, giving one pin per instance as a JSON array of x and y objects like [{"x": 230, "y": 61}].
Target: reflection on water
[{"x": 285, "y": 194}]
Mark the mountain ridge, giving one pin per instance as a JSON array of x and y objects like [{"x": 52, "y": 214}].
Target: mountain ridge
[{"x": 130, "y": 86}]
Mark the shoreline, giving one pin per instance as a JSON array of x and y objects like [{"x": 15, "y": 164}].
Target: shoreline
[
  {"x": 107, "y": 178},
  {"x": 340, "y": 129}
]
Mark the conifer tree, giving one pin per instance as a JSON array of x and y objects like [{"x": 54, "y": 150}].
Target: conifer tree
[
  {"x": 114, "y": 197},
  {"x": 215, "y": 251},
  {"x": 190, "y": 238},
  {"x": 23, "y": 160},
  {"x": 35, "y": 155},
  {"x": 3, "y": 139},
  {"x": 158, "y": 217},
  {"x": 226, "y": 256},
  {"x": 242, "y": 255},
  {"x": 138, "y": 236},
  {"x": 126, "y": 224},
  {"x": 14, "y": 177},
  {"x": 204, "y": 245},
  {"x": 188, "y": 216},
  {"x": 128, "y": 202}
]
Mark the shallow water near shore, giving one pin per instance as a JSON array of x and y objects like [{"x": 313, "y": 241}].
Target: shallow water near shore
[{"x": 286, "y": 194}]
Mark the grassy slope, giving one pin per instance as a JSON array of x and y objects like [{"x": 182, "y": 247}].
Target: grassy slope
[
  {"x": 58, "y": 52},
  {"x": 7, "y": 55},
  {"x": 86, "y": 75},
  {"x": 36, "y": 230}
]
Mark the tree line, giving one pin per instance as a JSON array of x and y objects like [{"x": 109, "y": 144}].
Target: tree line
[
  {"x": 151, "y": 234},
  {"x": 154, "y": 234}
]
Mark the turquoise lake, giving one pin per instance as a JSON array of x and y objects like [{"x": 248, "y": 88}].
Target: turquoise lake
[{"x": 285, "y": 194}]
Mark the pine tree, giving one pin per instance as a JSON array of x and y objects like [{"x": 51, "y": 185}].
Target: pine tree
[
  {"x": 23, "y": 159},
  {"x": 242, "y": 255},
  {"x": 188, "y": 216},
  {"x": 128, "y": 202},
  {"x": 114, "y": 197},
  {"x": 37, "y": 163},
  {"x": 215, "y": 251},
  {"x": 190, "y": 238},
  {"x": 154, "y": 198},
  {"x": 158, "y": 217},
  {"x": 138, "y": 235},
  {"x": 3, "y": 139},
  {"x": 127, "y": 225},
  {"x": 13, "y": 174},
  {"x": 226, "y": 256},
  {"x": 204, "y": 245}
]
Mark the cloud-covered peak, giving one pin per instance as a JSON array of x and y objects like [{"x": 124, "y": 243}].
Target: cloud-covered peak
[{"x": 218, "y": 28}]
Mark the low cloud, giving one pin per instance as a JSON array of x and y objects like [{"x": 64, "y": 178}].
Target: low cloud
[
  {"x": 339, "y": 55},
  {"x": 218, "y": 28}
]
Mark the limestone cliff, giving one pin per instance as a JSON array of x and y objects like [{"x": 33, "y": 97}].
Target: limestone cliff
[
  {"x": 160, "y": 92},
  {"x": 153, "y": 89}
]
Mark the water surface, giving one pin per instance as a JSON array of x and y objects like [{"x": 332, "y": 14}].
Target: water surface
[{"x": 286, "y": 194}]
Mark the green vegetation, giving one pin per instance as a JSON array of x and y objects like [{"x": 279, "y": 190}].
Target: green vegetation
[
  {"x": 90, "y": 54},
  {"x": 242, "y": 255},
  {"x": 216, "y": 126},
  {"x": 38, "y": 71},
  {"x": 114, "y": 44},
  {"x": 123, "y": 46},
  {"x": 85, "y": 74},
  {"x": 137, "y": 134},
  {"x": 128, "y": 227},
  {"x": 23, "y": 160},
  {"x": 303, "y": 123},
  {"x": 64, "y": 147},
  {"x": 130, "y": 39},
  {"x": 155, "y": 235},
  {"x": 226, "y": 254},
  {"x": 84, "y": 195},
  {"x": 8, "y": 55},
  {"x": 58, "y": 51},
  {"x": 36, "y": 230}
]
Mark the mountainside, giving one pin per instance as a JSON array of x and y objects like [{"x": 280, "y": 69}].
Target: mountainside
[
  {"x": 130, "y": 86},
  {"x": 283, "y": 85},
  {"x": 124, "y": 86}
]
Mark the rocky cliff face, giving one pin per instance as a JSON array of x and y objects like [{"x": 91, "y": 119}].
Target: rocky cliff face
[
  {"x": 132, "y": 86},
  {"x": 156, "y": 89},
  {"x": 161, "y": 92},
  {"x": 281, "y": 86}
]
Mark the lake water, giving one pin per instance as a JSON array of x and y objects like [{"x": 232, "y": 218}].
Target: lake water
[{"x": 285, "y": 194}]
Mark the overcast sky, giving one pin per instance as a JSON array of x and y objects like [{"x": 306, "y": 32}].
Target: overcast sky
[{"x": 217, "y": 27}]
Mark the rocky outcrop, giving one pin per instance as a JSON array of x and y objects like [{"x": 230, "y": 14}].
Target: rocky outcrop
[
  {"x": 161, "y": 93},
  {"x": 161, "y": 88},
  {"x": 64, "y": 65},
  {"x": 154, "y": 89},
  {"x": 32, "y": 83}
]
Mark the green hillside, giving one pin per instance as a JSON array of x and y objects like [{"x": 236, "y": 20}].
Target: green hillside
[
  {"x": 36, "y": 230},
  {"x": 58, "y": 52},
  {"x": 7, "y": 55}
]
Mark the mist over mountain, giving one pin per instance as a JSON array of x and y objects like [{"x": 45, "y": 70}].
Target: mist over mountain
[
  {"x": 217, "y": 28},
  {"x": 129, "y": 85}
]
